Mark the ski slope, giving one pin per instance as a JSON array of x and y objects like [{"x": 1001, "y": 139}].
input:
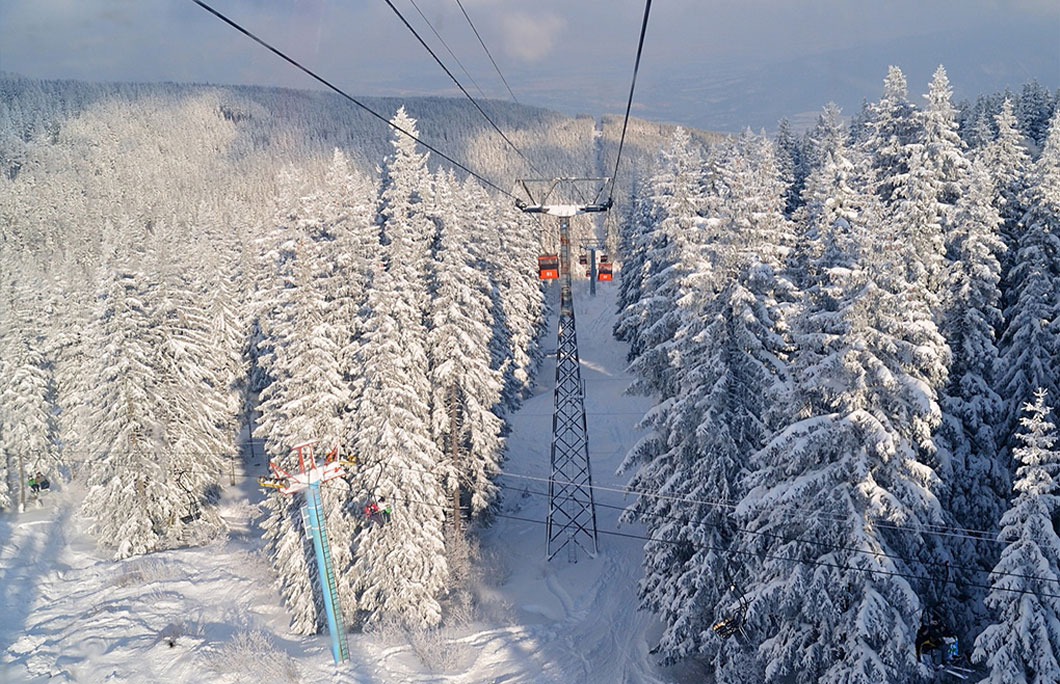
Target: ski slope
[{"x": 73, "y": 615}]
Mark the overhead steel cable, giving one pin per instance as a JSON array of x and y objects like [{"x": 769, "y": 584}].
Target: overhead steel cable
[
  {"x": 872, "y": 572},
  {"x": 799, "y": 540},
  {"x": 447, "y": 48},
  {"x": 882, "y": 554},
  {"x": 488, "y": 54},
  {"x": 629, "y": 102},
  {"x": 921, "y": 528},
  {"x": 458, "y": 85},
  {"x": 346, "y": 96}
]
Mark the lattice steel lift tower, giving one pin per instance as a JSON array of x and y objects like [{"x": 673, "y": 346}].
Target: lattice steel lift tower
[{"x": 571, "y": 519}]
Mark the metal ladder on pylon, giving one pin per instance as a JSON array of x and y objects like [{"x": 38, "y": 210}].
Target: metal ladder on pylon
[{"x": 314, "y": 522}]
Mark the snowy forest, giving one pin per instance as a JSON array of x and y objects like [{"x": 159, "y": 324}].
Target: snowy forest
[{"x": 851, "y": 338}]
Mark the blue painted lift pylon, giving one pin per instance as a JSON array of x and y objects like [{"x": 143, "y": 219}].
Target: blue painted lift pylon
[{"x": 308, "y": 480}]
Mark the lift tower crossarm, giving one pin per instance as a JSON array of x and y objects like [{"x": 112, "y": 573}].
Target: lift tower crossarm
[{"x": 541, "y": 205}]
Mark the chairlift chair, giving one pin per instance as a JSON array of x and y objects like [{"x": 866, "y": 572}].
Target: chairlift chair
[
  {"x": 732, "y": 621},
  {"x": 194, "y": 511}
]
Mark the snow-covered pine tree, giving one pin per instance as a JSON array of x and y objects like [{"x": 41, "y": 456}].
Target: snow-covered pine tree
[
  {"x": 400, "y": 570},
  {"x": 831, "y": 203},
  {"x": 924, "y": 196},
  {"x": 508, "y": 249},
  {"x": 196, "y": 409},
  {"x": 973, "y": 481},
  {"x": 28, "y": 430},
  {"x": 1035, "y": 111},
  {"x": 791, "y": 169},
  {"x": 308, "y": 327},
  {"x": 730, "y": 378},
  {"x": 1023, "y": 645},
  {"x": 888, "y": 127},
  {"x": 635, "y": 237},
  {"x": 130, "y": 498},
  {"x": 865, "y": 365},
  {"x": 673, "y": 256},
  {"x": 465, "y": 389},
  {"x": 1030, "y": 345},
  {"x": 1007, "y": 161}
]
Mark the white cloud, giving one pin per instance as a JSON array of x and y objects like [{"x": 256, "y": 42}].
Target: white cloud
[{"x": 531, "y": 37}]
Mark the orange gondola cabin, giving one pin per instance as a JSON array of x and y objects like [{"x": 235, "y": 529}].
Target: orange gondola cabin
[
  {"x": 603, "y": 272},
  {"x": 548, "y": 266}
]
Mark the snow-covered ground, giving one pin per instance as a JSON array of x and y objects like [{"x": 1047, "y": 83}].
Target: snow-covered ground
[{"x": 71, "y": 614}]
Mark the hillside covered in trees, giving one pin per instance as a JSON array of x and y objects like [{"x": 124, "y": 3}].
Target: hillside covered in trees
[{"x": 849, "y": 337}]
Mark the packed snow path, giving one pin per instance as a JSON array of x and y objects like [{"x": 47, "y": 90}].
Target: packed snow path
[{"x": 73, "y": 615}]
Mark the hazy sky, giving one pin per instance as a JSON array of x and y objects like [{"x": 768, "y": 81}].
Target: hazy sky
[{"x": 710, "y": 63}]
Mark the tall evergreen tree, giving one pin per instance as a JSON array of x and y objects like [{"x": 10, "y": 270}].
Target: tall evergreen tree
[
  {"x": 464, "y": 388},
  {"x": 400, "y": 568},
  {"x": 1023, "y": 645},
  {"x": 1030, "y": 345},
  {"x": 865, "y": 363},
  {"x": 1007, "y": 161}
]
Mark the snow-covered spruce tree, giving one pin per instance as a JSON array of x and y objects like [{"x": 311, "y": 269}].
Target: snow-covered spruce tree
[
  {"x": 973, "y": 482},
  {"x": 635, "y": 237},
  {"x": 400, "y": 569},
  {"x": 888, "y": 127},
  {"x": 28, "y": 431},
  {"x": 465, "y": 389},
  {"x": 751, "y": 207},
  {"x": 1035, "y": 111},
  {"x": 730, "y": 377},
  {"x": 1007, "y": 161},
  {"x": 924, "y": 196},
  {"x": 1023, "y": 645},
  {"x": 131, "y": 499},
  {"x": 673, "y": 249},
  {"x": 196, "y": 409},
  {"x": 507, "y": 248},
  {"x": 791, "y": 169},
  {"x": 831, "y": 203},
  {"x": 1030, "y": 345},
  {"x": 865, "y": 363},
  {"x": 307, "y": 323}
]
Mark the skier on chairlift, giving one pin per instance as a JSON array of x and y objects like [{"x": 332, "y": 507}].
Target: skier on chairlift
[
  {"x": 377, "y": 511},
  {"x": 934, "y": 646}
]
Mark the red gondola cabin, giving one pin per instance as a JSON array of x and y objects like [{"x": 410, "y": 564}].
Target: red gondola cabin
[
  {"x": 604, "y": 271},
  {"x": 548, "y": 266}
]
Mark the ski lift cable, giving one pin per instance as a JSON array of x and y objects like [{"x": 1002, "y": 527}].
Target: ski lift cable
[
  {"x": 458, "y": 85},
  {"x": 629, "y": 102},
  {"x": 787, "y": 559},
  {"x": 448, "y": 49},
  {"x": 837, "y": 547},
  {"x": 803, "y": 561},
  {"x": 447, "y": 71},
  {"x": 488, "y": 54},
  {"x": 928, "y": 528},
  {"x": 939, "y": 530},
  {"x": 350, "y": 98},
  {"x": 877, "y": 554}
]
